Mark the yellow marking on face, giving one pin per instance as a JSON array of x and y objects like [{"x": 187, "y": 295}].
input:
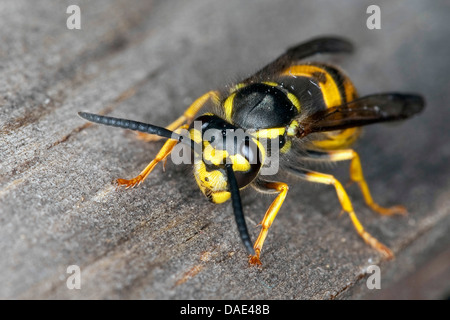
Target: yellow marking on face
[
  {"x": 329, "y": 88},
  {"x": 239, "y": 163},
  {"x": 228, "y": 106},
  {"x": 220, "y": 196},
  {"x": 195, "y": 135},
  {"x": 213, "y": 180},
  {"x": 213, "y": 184},
  {"x": 214, "y": 196},
  {"x": 213, "y": 155},
  {"x": 218, "y": 157}
]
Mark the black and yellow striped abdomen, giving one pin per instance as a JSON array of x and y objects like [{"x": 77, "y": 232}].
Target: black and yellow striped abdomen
[{"x": 319, "y": 87}]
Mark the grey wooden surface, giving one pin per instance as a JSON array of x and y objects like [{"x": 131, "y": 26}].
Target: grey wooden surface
[{"x": 147, "y": 60}]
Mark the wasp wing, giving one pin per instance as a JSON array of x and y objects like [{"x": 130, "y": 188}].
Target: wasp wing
[
  {"x": 299, "y": 52},
  {"x": 362, "y": 111}
]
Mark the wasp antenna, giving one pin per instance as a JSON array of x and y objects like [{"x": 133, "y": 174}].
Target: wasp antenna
[
  {"x": 129, "y": 124},
  {"x": 137, "y": 126},
  {"x": 237, "y": 208}
]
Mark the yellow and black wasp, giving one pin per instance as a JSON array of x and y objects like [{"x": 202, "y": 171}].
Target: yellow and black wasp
[{"x": 297, "y": 111}]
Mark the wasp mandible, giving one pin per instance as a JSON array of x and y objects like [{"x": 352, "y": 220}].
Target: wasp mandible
[{"x": 311, "y": 110}]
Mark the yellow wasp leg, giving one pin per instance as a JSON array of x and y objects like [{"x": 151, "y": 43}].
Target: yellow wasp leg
[
  {"x": 162, "y": 154},
  {"x": 356, "y": 175},
  {"x": 270, "y": 215},
  {"x": 347, "y": 207},
  {"x": 187, "y": 116}
]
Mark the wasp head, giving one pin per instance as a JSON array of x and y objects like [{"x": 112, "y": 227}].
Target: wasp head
[{"x": 222, "y": 143}]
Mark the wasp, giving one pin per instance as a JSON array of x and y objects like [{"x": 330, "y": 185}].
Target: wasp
[{"x": 298, "y": 111}]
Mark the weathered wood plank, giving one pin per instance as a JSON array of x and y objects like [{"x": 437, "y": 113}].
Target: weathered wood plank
[{"x": 147, "y": 61}]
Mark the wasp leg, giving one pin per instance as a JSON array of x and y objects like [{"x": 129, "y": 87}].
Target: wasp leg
[
  {"x": 268, "y": 187},
  {"x": 187, "y": 116},
  {"x": 346, "y": 206},
  {"x": 162, "y": 154},
  {"x": 356, "y": 175}
]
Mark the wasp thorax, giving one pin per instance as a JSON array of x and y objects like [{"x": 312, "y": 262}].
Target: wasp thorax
[
  {"x": 222, "y": 143},
  {"x": 261, "y": 105}
]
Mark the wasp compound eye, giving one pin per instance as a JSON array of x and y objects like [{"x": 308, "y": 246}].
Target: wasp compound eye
[{"x": 249, "y": 151}]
